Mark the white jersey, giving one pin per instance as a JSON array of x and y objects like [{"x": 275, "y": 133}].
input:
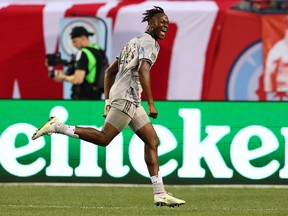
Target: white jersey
[{"x": 127, "y": 85}]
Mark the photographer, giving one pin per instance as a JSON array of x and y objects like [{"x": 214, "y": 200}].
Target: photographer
[{"x": 87, "y": 74}]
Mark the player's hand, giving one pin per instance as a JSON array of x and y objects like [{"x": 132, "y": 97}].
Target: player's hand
[
  {"x": 153, "y": 113},
  {"x": 106, "y": 108}
]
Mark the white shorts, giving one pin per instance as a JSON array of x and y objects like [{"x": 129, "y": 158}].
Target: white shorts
[{"x": 123, "y": 112}]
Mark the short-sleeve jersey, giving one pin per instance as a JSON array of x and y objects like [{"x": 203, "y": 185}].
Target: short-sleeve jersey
[{"x": 127, "y": 85}]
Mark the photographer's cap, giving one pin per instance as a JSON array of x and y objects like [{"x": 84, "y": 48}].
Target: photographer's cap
[{"x": 79, "y": 31}]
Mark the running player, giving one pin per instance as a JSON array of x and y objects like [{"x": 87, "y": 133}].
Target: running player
[{"x": 124, "y": 81}]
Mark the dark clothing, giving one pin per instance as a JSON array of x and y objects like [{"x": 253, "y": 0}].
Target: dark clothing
[{"x": 94, "y": 61}]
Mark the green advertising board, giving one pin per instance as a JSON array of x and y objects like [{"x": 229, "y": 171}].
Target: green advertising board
[{"x": 200, "y": 143}]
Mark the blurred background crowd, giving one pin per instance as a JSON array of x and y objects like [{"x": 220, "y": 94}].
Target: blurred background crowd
[{"x": 262, "y": 5}]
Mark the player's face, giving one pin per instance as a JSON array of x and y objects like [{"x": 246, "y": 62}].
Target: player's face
[{"x": 160, "y": 26}]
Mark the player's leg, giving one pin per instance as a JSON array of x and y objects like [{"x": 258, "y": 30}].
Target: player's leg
[
  {"x": 141, "y": 125},
  {"x": 161, "y": 197},
  {"x": 101, "y": 138},
  {"x": 148, "y": 135},
  {"x": 114, "y": 123}
]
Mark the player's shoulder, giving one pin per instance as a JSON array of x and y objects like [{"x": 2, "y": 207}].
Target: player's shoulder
[{"x": 146, "y": 38}]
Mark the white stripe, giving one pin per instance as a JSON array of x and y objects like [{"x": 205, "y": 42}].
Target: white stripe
[
  {"x": 3, "y": 5},
  {"x": 16, "y": 90},
  {"x": 127, "y": 25},
  {"x": 71, "y": 207},
  {"x": 37, "y": 2},
  {"x": 61, "y": 184},
  {"x": 52, "y": 14},
  {"x": 103, "y": 11},
  {"x": 194, "y": 27},
  {"x": 64, "y": 206}
]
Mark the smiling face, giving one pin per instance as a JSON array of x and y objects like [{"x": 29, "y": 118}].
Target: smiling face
[{"x": 158, "y": 26}]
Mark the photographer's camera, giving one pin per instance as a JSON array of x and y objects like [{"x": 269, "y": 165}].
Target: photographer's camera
[{"x": 55, "y": 59}]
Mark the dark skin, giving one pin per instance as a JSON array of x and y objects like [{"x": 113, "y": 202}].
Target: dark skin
[{"x": 157, "y": 28}]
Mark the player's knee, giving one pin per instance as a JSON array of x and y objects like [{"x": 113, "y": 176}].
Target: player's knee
[
  {"x": 154, "y": 142},
  {"x": 105, "y": 141},
  {"x": 157, "y": 141}
]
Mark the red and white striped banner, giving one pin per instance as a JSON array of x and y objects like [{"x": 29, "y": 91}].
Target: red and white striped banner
[{"x": 30, "y": 30}]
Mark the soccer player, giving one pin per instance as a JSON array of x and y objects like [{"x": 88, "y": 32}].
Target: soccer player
[{"x": 124, "y": 81}]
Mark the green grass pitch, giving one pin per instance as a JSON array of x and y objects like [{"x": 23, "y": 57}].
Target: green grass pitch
[{"x": 81, "y": 200}]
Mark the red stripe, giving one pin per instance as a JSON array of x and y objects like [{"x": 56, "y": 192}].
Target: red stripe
[
  {"x": 83, "y": 9},
  {"x": 23, "y": 57},
  {"x": 114, "y": 11},
  {"x": 231, "y": 43},
  {"x": 160, "y": 71},
  {"x": 211, "y": 53},
  {"x": 212, "y": 46}
]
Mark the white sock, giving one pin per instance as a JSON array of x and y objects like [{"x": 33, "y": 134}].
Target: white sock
[
  {"x": 66, "y": 129},
  {"x": 158, "y": 186},
  {"x": 156, "y": 178},
  {"x": 71, "y": 129}
]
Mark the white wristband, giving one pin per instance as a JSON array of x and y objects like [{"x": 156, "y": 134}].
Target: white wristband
[{"x": 107, "y": 102}]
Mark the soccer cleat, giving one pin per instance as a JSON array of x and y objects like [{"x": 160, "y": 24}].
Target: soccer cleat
[
  {"x": 47, "y": 129},
  {"x": 167, "y": 199}
]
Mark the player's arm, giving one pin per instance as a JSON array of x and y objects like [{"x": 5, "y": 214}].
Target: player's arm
[
  {"x": 144, "y": 77},
  {"x": 77, "y": 78},
  {"x": 109, "y": 79}
]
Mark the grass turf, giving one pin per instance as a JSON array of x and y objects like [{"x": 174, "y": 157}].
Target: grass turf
[{"x": 61, "y": 200}]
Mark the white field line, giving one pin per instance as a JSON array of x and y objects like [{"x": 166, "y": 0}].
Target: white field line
[
  {"x": 137, "y": 185},
  {"x": 62, "y": 206},
  {"x": 225, "y": 209}
]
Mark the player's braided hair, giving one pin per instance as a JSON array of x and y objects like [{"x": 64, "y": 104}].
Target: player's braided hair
[{"x": 150, "y": 13}]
